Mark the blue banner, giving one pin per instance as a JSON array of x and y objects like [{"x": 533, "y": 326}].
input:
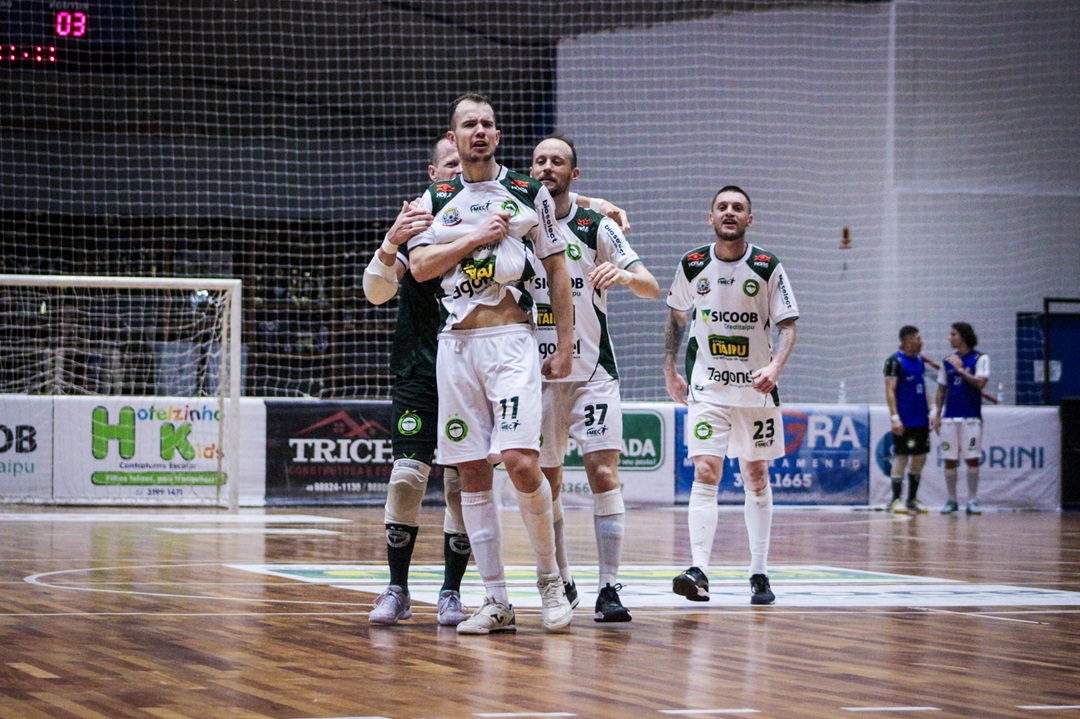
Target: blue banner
[{"x": 826, "y": 458}]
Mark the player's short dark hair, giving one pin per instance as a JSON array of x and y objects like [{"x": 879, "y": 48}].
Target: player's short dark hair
[
  {"x": 966, "y": 333},
  {"x": 468, "y": 97},
  {"x": 435, "y": 150},
  {"x": 908, "y": 330},
  {"x": 569, "y": 143},
  {"x": 732, "y": 188}
]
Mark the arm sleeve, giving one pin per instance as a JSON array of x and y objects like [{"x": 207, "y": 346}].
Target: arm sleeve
[
  {"x": 982, "y": 366},
  {"x": 679, "y": 297},
  {"x": 549, "y": 240},
  {"x": 613, "y": 245},
  {"x": 782, "y": 305},
  {"x": 380, "y": 281}
]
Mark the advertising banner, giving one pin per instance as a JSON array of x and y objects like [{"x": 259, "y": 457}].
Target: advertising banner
[
  {"x": 326, "y": 452},
  {"x": 1020, "y": 466},
  {"x": 826, "y": 458},
  {"x": 138, "y": 447},
  {"x": 647, "y": 463},
  {"x": 26, "y": 447}
]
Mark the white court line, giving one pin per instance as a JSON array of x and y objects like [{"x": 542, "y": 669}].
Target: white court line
[
  {"x": 524, "y": 714},
  {"x": 150, "y": 518},
  {"x": 890, "y": 709},
  {"x": 243, "y": 530},
  {"x": 1049, "y": 707},
  {"x": 709, "y": 711},
  {"x": 979, "y": 615}
]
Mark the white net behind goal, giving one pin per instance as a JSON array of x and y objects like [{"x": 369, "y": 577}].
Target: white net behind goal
[{"x": 159, "y": 360}]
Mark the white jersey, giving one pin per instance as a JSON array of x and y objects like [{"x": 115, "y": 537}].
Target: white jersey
[
  {"x": 460, "y": 207},
  {"x": 735, "y": 307},
  {"x": 591, "y": 240}
]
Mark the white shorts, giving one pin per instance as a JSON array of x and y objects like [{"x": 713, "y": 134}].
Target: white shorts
[
  {"x": 960, "y": 438},
  {"x": 590, "y": 412},
  {"x": 751, "y": 433},
  {"x": 489, "y": 392}
]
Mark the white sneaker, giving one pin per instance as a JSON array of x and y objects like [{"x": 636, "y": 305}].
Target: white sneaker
[
  {"x": 390, "y": 606},
  {"x": 451, "y": 610},
  {"x": 557, "y": 611},
  {"x": 491, "y": 617}
]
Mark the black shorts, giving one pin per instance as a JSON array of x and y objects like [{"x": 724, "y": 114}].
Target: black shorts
[
  {"x": 914, "y": 441},
  {"x": 414, "y": 414}
]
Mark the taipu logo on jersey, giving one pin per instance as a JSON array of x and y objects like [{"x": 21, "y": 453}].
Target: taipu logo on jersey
[
  {"x": 751, "y": 287},
  {"x": 519, "y": 185},
  {"x": 703, "y": 430},
  {"x": 451, "y": 217},
  {"x": 573, "y": 251},
  {"x": 703, "y": 287},
  {"x": 721, "y": 346},
  {"x": 456, "y": 429},
  {"x": 544, "y": 316},
  {"x": 479, "y": 269},
  {"x": 511, "y": 207},
  {"x": 409, "y": 423}
]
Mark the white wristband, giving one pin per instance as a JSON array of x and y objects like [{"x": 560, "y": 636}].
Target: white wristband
[
  {"x": 895, "y": 418},
  {"x": 389, "y": 247}
]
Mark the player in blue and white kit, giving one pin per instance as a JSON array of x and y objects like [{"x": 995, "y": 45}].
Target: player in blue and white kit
[
  {"x": 733, "y": 296},
  {"x": 586, "y": 403},
  {"x": 961, "y": 379},
  {"x": 909, "y": 417},
  {"x": 488, "y": 367}
]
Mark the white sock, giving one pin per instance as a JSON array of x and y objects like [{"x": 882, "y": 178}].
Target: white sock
[
  {"x": 950, "y": 482},
  {"x": 701, "y": 516},
  {"x": 757, "y": 510},
  {"x": 485, "y": 535},
  {"x": 973, "y": 482},
  {"x": 609, "y": 521},
  {"x": 536, "y": 512},
  {"x": 560, "y": 540}
]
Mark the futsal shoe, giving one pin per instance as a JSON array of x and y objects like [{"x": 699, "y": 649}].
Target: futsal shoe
[
  {"x": 951, "y": 507},
  {"x": 451, "y": 610},
  {"x": 761, "y": 593},
  {"x": 692, "y": 584},
  {"x": 973, "y": 507},
  {"x": 571, "y": 593},
  {"x": 556, "y": 611},
  {"x": 390, "y": 606},
  {"x": 490, "y": 618},
  {"x": 608, "y": 606},
  {"x": 896, "y": 507},
  {"x": 914, "y": 506}
]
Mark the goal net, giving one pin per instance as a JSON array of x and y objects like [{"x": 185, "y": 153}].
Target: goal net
[
  {"x": 884, "y": 144},
  {"x": 160, "y": 363}
]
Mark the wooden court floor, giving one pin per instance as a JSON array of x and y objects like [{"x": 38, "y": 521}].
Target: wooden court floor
[{"x": 111, "y": 613}]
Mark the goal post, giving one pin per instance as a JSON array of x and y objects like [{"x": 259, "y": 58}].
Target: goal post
[{"x": 132, "y": 342}]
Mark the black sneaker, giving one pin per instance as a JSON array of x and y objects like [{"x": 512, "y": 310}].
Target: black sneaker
[
  {"x": 692, "y": 584},
  {"x": 762, "y": 594},
  {"x": 608, "y": 606},
  {"x": 571, "y": 593}
]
